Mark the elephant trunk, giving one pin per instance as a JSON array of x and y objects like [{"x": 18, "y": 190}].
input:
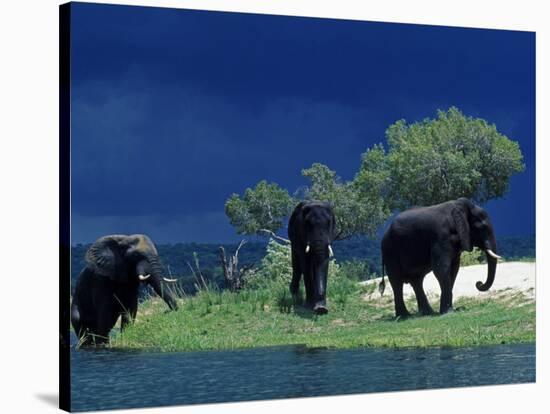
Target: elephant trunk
[
  {"x": 320, "y": 281},
  {"x": 492, "y": 257},
  {"x": 160, "y": 288},
  {"x": 319, "y": 266}
]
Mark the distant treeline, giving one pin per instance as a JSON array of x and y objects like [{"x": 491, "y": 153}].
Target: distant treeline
[{"x": 176, "y": 258}]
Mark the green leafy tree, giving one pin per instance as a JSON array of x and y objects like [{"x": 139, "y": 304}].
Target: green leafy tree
[
  {"x": 453, "y": 156},
  {"x": 276, "y": 267},
  {"x": 476, "y": 256},
  {"x": 264, "y": 207},
  {"x": 357, "y": 204},
  {"x": 371, "y": 184},
  {"x": 427, "y": 162}
]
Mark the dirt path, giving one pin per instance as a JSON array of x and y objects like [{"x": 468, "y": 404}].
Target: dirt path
[{"x": 519, "y": 276}]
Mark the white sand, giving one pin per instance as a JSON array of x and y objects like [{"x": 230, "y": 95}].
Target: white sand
[{"x": 511, "y": 276}]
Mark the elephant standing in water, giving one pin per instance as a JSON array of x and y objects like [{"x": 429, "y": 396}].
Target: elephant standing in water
[
  {"x": 432, "y": 238},
  {"x": 311, "y": 230},
  {"x": 108, "y": 286}
]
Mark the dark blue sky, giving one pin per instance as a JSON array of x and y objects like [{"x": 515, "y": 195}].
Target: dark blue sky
[{"x": 174, "y": 110}]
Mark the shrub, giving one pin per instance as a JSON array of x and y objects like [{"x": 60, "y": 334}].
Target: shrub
[
  {"x": 340, "y": 289},
  {"x": 357, "y": 270},
  {"x": 474, "y": 257},
  {"x": 284, "y": 300},
  {"x": 276, "y": 267}
]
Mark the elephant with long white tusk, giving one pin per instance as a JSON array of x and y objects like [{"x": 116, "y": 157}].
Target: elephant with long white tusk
[
  {"x": 432, "y": 238},
  {"x": 330, "y": 252},
  {"x": 167, "y": 280},
  {"x": 311, "y": 230},
  {"x": 108, "y": 286}
]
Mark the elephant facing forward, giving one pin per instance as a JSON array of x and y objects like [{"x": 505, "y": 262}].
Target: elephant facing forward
[
  {"x": 108, "y": 287},
  {"x": 311, "y": 230},
  {"x": 432, "y": 238}
]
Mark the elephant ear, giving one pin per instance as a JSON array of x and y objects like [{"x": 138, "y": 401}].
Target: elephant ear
[
  {"x": 104, "y": 258},
  {"x": 306, "y": 208},
  {"x": 333, "y": 234},
  {"x": 462, "y": 228}
]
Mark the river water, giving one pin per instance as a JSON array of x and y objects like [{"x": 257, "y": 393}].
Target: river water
[{"x": 108, "y": 379}]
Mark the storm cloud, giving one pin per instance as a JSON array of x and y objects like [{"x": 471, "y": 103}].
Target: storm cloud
[{"x": 175, "y": 110}]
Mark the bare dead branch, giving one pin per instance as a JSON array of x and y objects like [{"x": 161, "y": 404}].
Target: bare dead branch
[
  {"x": 276, "y": 237},
  {"x": 231, "y": 272},
  {"x": 342, "y": 236},
  {"x": 236, "y": 257},
  {"x": 241, "y": 244},
  {"x": 224, "y": 264}
]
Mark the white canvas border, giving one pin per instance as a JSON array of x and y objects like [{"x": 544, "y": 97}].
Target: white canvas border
[{"x": 28, "y": 162}]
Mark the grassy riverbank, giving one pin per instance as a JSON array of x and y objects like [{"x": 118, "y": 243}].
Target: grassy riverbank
[{"x": 215, "y": 320}]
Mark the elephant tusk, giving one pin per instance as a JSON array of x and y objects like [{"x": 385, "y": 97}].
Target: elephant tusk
[
  {"x": 142, "y": 278},
  {"x": 330, "y": 252},
  {"x": 493, "y": 254},
  {"x": 169, "y": 280},
  {"x": 307, "y": 248}
]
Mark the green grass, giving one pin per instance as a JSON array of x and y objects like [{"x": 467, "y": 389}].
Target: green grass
[
  {"x": 215, "y": 320},
  {"x": 522, "y": 259}
]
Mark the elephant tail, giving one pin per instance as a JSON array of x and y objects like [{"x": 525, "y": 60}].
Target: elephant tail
[{"x": 382, "y": 285}]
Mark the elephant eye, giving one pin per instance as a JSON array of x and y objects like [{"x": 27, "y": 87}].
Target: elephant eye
[{"x": 478, "y": 224}]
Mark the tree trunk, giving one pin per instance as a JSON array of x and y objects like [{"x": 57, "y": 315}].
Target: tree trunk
[{"x": 231, "y": 272}]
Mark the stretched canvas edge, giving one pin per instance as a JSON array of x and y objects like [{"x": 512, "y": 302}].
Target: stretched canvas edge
[{"x": 64, "y": 205}]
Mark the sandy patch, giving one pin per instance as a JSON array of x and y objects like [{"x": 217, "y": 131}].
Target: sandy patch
[{"x": 510, "y": 276}]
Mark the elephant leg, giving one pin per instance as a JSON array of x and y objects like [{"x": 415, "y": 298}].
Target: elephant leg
[
  {"x": 442, "y": 266},
  {"x": 106, "y": 319},
  {"x": 76, "y": 321},
  {"x": 81, "y": 328},
  {"x": 455, "y": 266},
  {"x": 128, "y": 315},
  {"x": 397, "y": 287},
  {"x": 423, "y": 304},
  {"x": 296, "y": 275},
  {"x": 446, "y": 303},
  {"x": 124, "y": 320},
  {"x": 308, "y": 283}
]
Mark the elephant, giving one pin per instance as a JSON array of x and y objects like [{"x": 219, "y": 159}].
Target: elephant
[
  {"x": 108, "y": 286},
  {"x": 432, "y": 238},
  {"x": 311, "y": 230}
]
